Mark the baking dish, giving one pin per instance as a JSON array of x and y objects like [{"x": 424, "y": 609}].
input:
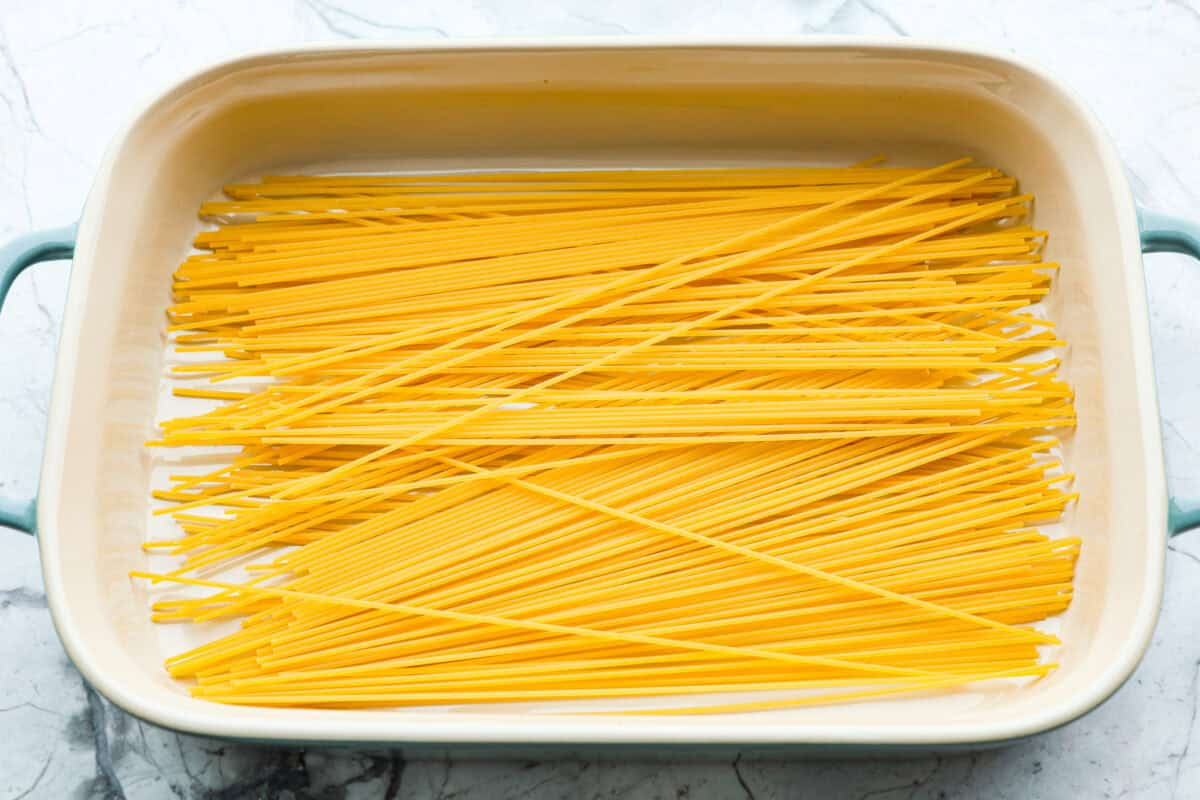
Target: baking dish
[{"x": 597, "y": 103}]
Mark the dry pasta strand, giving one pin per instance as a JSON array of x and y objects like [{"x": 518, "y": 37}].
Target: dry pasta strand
[{"x": 589, "y": 435}]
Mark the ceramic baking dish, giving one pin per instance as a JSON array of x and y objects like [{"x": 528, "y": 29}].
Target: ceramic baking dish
[{"x": 607, "y": 103}]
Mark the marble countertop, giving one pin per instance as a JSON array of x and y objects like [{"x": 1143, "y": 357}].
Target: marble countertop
[{"x": 70, "y": 70}]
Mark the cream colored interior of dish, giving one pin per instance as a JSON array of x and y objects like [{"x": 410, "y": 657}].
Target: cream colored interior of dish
[{"x": 388, "y": 110}]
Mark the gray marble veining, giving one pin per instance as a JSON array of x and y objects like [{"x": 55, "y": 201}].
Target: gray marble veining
[{"x": 70, "y": 70}]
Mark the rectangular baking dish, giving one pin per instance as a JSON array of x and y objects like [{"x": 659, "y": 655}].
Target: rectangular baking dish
[{"x": 607, "y": 103}]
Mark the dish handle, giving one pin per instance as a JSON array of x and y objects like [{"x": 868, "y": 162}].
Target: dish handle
[
  {"x": 1162, "y": 233},
  {"x": 15, "y": 257}
]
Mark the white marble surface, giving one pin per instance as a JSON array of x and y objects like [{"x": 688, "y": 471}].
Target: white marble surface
[{"x": 69, "y": 72}]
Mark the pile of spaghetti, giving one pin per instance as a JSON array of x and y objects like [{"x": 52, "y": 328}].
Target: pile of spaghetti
[{"x": 550, "y": 436}]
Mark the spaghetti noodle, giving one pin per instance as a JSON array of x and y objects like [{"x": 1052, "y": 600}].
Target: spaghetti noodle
[{"x": 587, "y": 435}]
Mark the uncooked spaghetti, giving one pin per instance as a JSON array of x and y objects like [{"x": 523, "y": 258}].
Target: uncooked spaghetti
[{"x": 585, "y": 435}]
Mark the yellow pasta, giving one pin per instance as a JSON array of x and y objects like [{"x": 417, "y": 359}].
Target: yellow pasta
[{"x": 590, "y": 435}]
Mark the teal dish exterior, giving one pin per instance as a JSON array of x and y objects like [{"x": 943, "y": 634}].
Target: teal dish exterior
[
  {"x": 1161, "y": 233},
  {"x": 15, "y": 257}
]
